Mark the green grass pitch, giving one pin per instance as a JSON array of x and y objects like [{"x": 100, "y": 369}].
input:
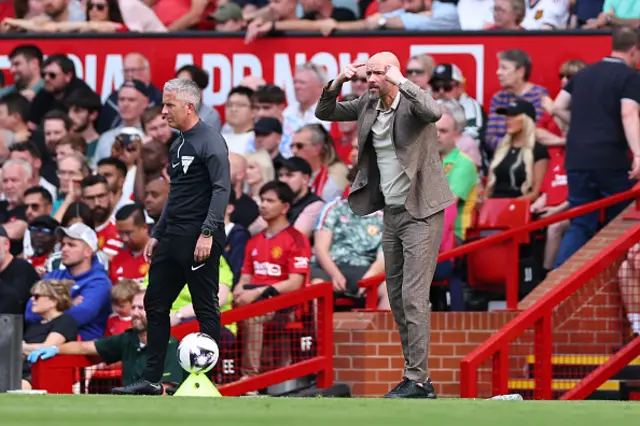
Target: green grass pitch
[{"x": 84, "y": 410}]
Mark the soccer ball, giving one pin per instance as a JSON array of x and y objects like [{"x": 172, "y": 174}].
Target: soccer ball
[{"x": 198, "y": 353}]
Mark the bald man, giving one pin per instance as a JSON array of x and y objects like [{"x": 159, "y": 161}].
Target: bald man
[
  {"x": 245, "y": 210},
  {"x": 399, "y": 170},
  {"x": 252, "y": 82},
  {"x": 134, "y": 66}
]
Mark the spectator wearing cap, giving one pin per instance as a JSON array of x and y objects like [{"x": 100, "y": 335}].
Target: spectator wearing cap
[
  {"x": 600, "y": 106},
  {"x": 42, "y": 241},
  {"x": 306, "y": 207},
  {"x": 84, "y": 108},
  {"x": 268, "y": 134},
  {"x": 448, "y": 82},
  {"x": 507, "y": 15},
  {"x": 239, "y": 115},
  {"x": 133, "y": 99},
  {"x": 91, "y": 293},
  {"x": 16, "y": 278},
  {"x": 60, "y": 81},
  {"x": 199, "y": 76},
  {"x": 328, "y": 172},
  {"x": 135, "y": 66},
  {"x": 228, "y": 17},
  {"x": 514, "y": 71},
  {"x": 519, "y": 163}
]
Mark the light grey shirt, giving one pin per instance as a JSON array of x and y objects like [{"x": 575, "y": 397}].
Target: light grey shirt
[
  {"x": 394, "y": 182},
  {"x": 210, "y": 116}
]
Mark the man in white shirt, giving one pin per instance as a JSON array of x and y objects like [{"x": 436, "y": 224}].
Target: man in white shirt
[
  {"x": 308, "y": 82},
  {"x": 239, "y": 115},
  {"x": 546, "y": 14}
]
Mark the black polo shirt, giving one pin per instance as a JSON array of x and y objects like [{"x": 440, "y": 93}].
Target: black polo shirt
[
  {"x": 596, "y": 139},
  {"x": 126, "y": 347}
]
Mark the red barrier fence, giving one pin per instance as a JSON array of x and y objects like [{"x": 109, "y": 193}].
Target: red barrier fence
[
  {"x": 98, "y": 59},
  {"x": 548, "y": 349},
  {"x": 307, "y": 337}
]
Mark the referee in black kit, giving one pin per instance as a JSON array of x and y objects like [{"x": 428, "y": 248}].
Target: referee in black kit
[{"x": 188, "y": 240}]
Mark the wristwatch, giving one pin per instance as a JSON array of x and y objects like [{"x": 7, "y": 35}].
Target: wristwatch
[
  {"x": 207, "y": 233},
  {"x": 382, "y": 22}
]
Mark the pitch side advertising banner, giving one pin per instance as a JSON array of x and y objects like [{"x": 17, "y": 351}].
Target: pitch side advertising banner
[{"x": 99, "y": 60}]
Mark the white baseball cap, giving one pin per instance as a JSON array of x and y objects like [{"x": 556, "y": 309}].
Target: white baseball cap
[{"x": 79, "y": 231}]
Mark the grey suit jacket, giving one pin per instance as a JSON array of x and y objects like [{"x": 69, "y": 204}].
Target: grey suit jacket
[{"x": 414, "y": 138}]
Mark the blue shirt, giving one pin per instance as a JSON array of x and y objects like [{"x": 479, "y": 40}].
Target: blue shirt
[{"x": 91, "y": 314}]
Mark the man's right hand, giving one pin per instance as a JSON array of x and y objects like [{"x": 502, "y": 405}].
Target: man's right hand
[
  {"x": 339, "y": 283},
  {"x": 149, "y": 248},
  {"x": 42, "y": 353},
  {"x": 348, "y": 73}
]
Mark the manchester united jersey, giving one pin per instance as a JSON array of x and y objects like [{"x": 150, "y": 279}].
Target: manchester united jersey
[
  {"x": 108, "y": 238},
  {"x": 271, "y": 259},
  {"x": 126, "y": 265}
]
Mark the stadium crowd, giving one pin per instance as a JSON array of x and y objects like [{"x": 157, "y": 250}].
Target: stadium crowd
[
  {"x": 262, "y": 17},
  {"x": 83, "y": 182}
]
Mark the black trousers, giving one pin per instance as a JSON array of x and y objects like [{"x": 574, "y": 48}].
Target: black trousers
[{"x": 173, "y": 266}]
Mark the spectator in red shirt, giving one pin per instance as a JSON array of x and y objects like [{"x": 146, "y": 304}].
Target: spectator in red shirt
[
  {"x": 132, "y": 229},
  {"x": 122, "y": 295},
  {"x": 276, "y": 262},
  {"x": 96, "y": 194}
]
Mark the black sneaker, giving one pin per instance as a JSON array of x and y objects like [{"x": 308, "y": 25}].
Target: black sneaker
[
  {"x": 143, "y": 387},
  {"x": 397, "y": 388},
  {"x": 413, "y": 389}
]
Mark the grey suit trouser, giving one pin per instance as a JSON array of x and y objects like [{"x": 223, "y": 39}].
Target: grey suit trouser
[{"x": 410, "y": 249}]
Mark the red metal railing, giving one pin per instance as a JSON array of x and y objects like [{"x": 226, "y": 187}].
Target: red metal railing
[
  {"x": 539, "y": 316},
  {"x": 58, "y": 374},
  {"x": 514, "y": 236},
  {"x": 603, "y": 373}
]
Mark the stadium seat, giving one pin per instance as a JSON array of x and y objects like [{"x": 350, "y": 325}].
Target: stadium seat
[{"x": 487, "y": 268}]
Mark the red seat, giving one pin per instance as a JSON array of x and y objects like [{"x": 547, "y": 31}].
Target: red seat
[{"x": 487, "y": 268}]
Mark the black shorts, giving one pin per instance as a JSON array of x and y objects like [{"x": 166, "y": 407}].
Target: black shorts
[{"x": 353, "y": 274}]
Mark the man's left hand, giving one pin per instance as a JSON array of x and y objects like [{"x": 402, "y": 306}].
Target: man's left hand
[
  {"x": 393, "y": 75},
  {"x": 247, "y": 296},
  {"x": 203, "y": 249}
]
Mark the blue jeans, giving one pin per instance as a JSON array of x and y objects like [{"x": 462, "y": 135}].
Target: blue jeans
[{"x": 586, "y": 187}]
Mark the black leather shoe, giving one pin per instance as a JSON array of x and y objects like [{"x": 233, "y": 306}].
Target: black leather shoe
[
  {"x": 397, "y": 388},
  {"x": 143, "y": 387},
  {"x": 412, "y": 389}
]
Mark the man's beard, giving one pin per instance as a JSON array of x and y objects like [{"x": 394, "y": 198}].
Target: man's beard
[
  {"x": 100, "y": 215},
  {"x": 374, "y": 95},
  {"x": 139, "y": 325},
  {"x": 82, "y": 127}
]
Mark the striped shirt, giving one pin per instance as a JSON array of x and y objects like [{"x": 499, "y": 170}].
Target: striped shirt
[{"x": 496, "y": 125}]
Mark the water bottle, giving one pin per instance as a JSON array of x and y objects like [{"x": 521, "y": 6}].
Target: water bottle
[{"x": 510, "y": 397}]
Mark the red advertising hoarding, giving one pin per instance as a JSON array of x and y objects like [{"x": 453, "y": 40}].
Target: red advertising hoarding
[{"x": 227, "y": 59}]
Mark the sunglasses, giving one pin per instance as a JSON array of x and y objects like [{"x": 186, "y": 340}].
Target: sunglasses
[
  {"x": 39, "y": 229},
  {"x": 97, "y": 6},
  {"x": 297, "y": 145},
  {"x": 415, "y": 71},
  {"x": 50, "y": 75},
  {"x": 37, "y": 296},
  {"x": 32, "y": 206},
  {"x": 567, "y": 76},
  {"x": 437, "y": 86}
]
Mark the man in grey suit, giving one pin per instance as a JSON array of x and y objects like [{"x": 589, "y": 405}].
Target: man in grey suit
[{"x": 400, "y": 171}]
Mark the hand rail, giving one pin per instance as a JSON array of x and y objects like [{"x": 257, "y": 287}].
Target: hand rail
[
  {"x": 57, "y": 374},
  {"x": 513, "y": 234},
  {"x": 591, "y": 381},
  {"x": 540, "y": 316}
]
